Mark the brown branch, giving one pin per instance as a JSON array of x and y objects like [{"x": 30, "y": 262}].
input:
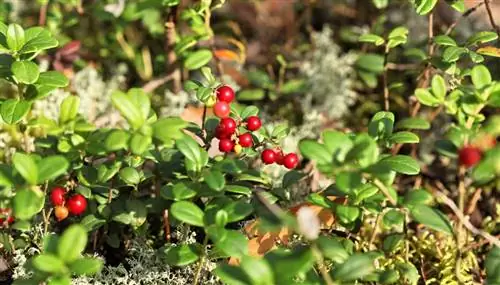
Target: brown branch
[
  {"x": 170, "y": 37},
  {"x": 155, "y": 83},
  {"x": 490, "y": 16}
]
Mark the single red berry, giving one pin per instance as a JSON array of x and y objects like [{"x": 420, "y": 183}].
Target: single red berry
[
  {"x": 225, "y": 93},
  {"x": 220, "y": 133},
  {"x": 77, "y": 204},
  {"x": 228, "y": 125},
  {"x": 246, "y": 140},
  {"x": 57, "y": 196},
  {"x": 226, "y": 145},
  {"x": 268, "y": 156},
  {"x": 5, "y": 214},
  {"x": 61, "y": 213},
  {"x": 253, "y": 123},
  {"x": 279, "y": 156},
  {"x": 290, "y": 160},
  {"x": 222, "y": 109},
  {"x": 469, "y": 156}
]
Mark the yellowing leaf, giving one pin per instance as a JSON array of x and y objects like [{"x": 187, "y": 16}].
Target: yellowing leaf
[{"x": 489, "y": 50}]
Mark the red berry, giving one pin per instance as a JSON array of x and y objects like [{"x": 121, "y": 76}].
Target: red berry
[
  {"x": 226, "y": 145},
  {"x": 6, "y": 214},
  {"x": 469, "y": 156},
  {"x": 222, "y": 109},
  {"x": 225, "y": 93},
  {"x": 228, "y": 125},
  {"x": 253, "y": 123},
  {"x": 220, "y": 133},
  {"x": 279, "y": 156},
  {"x": 57, "y": 196},
  {"x": 77, "y": 204},
  {"x": 291, "y": 160},
  {"x": 268, "y": 156},
  {"x": 246, "y": 140},
  {"x": 61, "y": 213}
]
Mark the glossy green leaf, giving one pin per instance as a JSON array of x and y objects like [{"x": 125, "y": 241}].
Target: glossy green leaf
[
  {"x": 198, "y": 59},
  {"x": 431, "y": 218},
  {"x": 258, "y": 270},
  {"x": 332, "y": 249},
  {"x": 404, "y": 137},
  {"x": 426, "y": 98},
  {"x": 214, "y": 179},
  {"x": 26, "y": 167},
  {"x": 482, "y": 37},
  {"x": 480, "y": 76},
  {"x": 72, "y": 243},
  {"x": 438, "y": 86},
  {"x": 372, "y": 38},
  {"x": 15, "y": 37},
  {"x": 232, "y": 275},
  {"x": 187, "y": 212},
  {"x": 444, "y": 40},
  {"x": 26, "y": 72},
  {"x": 48, "y": 263},
  {"x": 51, "y": 167},
  {"x": 86, "y": 266},
  {"x": 401, "y": 163},
  {"x": 315, "y": 151},
  {"x": 14, "y": 110},
  {"x": 413, "y": 123},
  {"x": 181, "y": 255},
  {"x": 355, "y": 267},
  {"x": 27, "y": 203}
]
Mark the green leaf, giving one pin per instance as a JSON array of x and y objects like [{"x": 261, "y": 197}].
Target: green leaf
[
  {"x": 249, "y": 111},
  {"x": 130, "y": 175},
  {"x": 372, "y": 38},
  {"x": 25, "y": 71},
  {"x": 444, "y": 40},
  {"x": 168, "y": 129},
  {"x": 86, "y": 266},
  {"x": 232, "y": 275},
  {"x": 187, "y": 212},
  {"x": 190, "y": 149},
  {"x": 258, "y": 270},
  {"x": 492, "y": 264},
  {"x": 117, "y": 140},
  {"x": 480, "y": 76},
  {"x": 408, "y": 273},
  {"x": 452, "y": 53},
  {"x": 438, "y": 87},
  {"x": 140, "y": 143},
  {"x": 355, "y": 267},
  {"x": 48, "y": 263},
  {"x": 381, "y": 125},
  {"x": 426, "y": 98},
  {"x": 69, "y": 109},
  {"x": 14, "y": 110},
  {"x": 315, "y": 151},
  {"x": 181, "y": 255},
  {"x": 72, "y": 243},
  {"x": 290, "y": 263},
  {"x": 337, "y": 143},
  {"x": 431, "y": 218},
  {"x": 238, "y": 210},
  {"x": 128, "y": 109},
  {"x": 380, "y": 4},
  {"x": 401, "y": 163},
  {"x": 15, "y": 37},
  {"x": 347, "y": 181},
  {"x": 51, "y": 167},
  {"x": 91, "y": 222},
  {"x": 413, "y": 123},
  {"x": 393, "y": 218},
  {"x": 214, "y": 179},
  {"x": 404, "y": 137},
  {"x": 392, "y": 242},
  {"x": 373, "y": 63},
  {"x": 425, "y": 6},
  {"x": 59, "y": 280},
  {"x": 27, "y": 203},
  {"x": 52, "y": 79},
  {"x": 38, "y": 39},
  {"x": 418, "y": 197},
  {"x": 234, "y": 244},
  {"x": 251, "y": 95},
  {"x": 198, "y": 59},
  {"x": 26, "y": 166},
  {"x": 332, "y": 249},
  {"x": 180, "y": 191},
  {"x": 481, "y": 38},
  {"x": 347, "y": 214}
]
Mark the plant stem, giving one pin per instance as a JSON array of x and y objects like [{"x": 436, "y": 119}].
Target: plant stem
[
  {"x": 375, "y": 230},
  {"x": 490, "y": 16},
  {"x": 321, "y": 265},
  {"x": 385, "y": 191},
  {"x": 385, "y": 80},
  {"x": 202, "y": 262}
]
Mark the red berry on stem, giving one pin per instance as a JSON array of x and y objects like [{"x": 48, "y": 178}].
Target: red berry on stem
[
  {"x": 228, "y": 125},
  {"x": 279, "y": 156},
  {"x": 77, "y": 204},
  {"x": 57, "y": 196},
  {"x": 226, "y": 145},
  {"x": 268, "y": 156},
  {"x": 220, "y": 133},
  {"x": 469, "y": 156},
  {"x": 222, "y": 109},
  {"x": 61, "y": 213},
  {"x": 253, "y": 123},
  {"x": 225, "y": 93},
  {"x": 246, "y": 140},
  {"x": 291, "y": 160}
]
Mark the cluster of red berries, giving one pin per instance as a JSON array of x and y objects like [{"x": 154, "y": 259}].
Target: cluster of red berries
[
  {"x": 75, "y": 205},
  {"x": 230, "y": 140},
  {"x": 6, "y": 217}
]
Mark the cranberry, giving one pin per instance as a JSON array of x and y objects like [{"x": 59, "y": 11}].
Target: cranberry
[
  {"x": 6, "y": 213},
  {"x": 57, "y": 196},
  {"x": 469, "y": 156},
  {"x": 222, "y": 109},
  {"x": 268, "y": 156},
  {"x": 246, "y": 140},
  {"x": 226, "y": 145},
  {"x": 291, "y": 160},
  {"x": 77, "y": 204},
  {"x": 220, "y": 133},
  {"x": 228, "y": 125},
  {"x": 253, "y": 123},
  {"x": 279, "y": 156},
  {"x": 225, "y": 93},
  {"x": 61, "y": 213}
]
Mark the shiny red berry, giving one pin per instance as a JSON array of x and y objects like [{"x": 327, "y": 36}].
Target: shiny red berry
[
  {"x": 6, "y": 214},
  {"x": 469, "y": 156},
  {"x": 220, "y": 133},
  {"x": 279, "y": 156},
  {"x": 225, "y": 93},
  {"x": 253, "y": 123},
  {"x": 268, "y": 156},
  {"x": 228, "y": 125},
  {"x": 226, "y": 145},
  {"x": 246, "y": 140},
  {"x": 57, "y": 196},
  {"x": 222, "y": 109},
  {"x": 290, "y": 160},
  {"x": 77, "y": 204}
]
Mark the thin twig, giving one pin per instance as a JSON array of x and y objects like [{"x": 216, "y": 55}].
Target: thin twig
[
  {"x": 155, "y": 83},
  {"x": 375, "y": 230},
  {"x": 492, "y": 19},
  {"x": 385, "y": 80},
  {"x": 385, "y": 191},
  {"x": 321, "y": 266},
  {"x": 202, "y": 262},
  {"x": 491, "y": 239}
]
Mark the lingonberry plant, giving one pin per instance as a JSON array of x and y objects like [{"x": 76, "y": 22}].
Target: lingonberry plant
[{"x": 390, "y": 200}]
